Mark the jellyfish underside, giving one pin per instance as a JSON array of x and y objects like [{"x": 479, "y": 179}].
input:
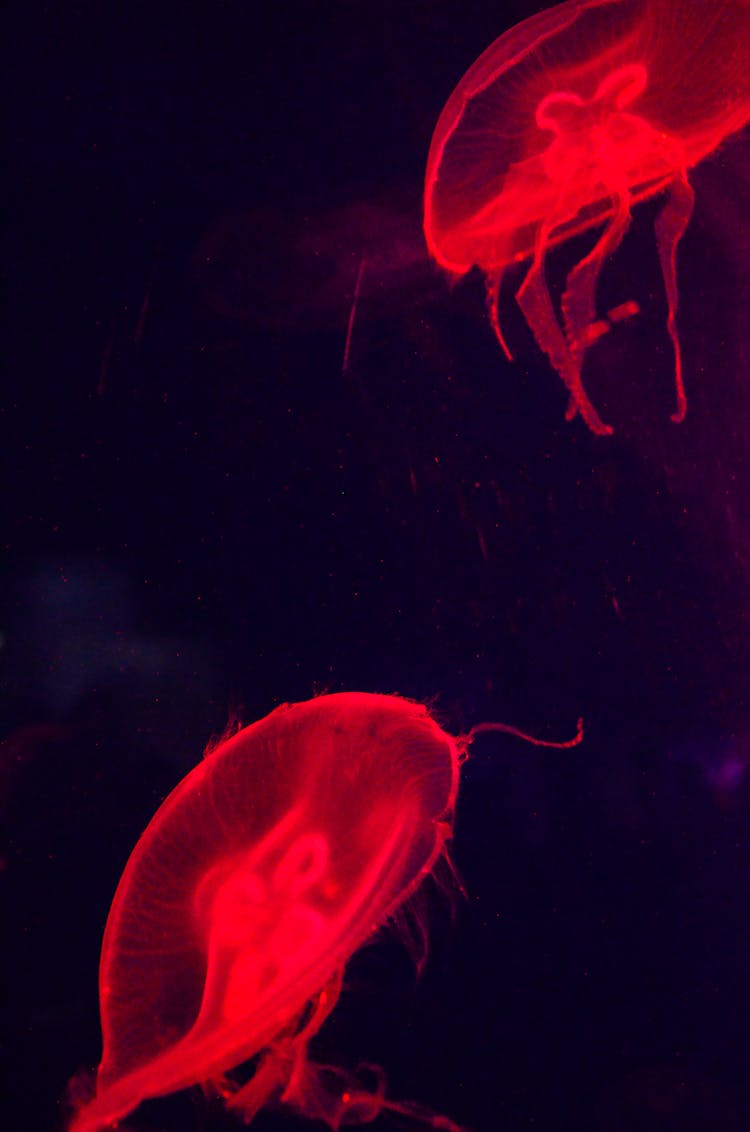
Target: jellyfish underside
[
  {"x": 326, "y": 1093},
  {"x": 596, "y": 153},
  {"x": 284, "y": 1073}
]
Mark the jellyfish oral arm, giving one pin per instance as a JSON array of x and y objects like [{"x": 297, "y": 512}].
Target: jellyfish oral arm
[
  {"x": 322, "y": 1092},
  {"x": 579, "y": 299},
  {"x": 566, "y": 345},
  {"x": 589, "y": 138},
  {"x": 536, "y": 305},
  {"x": 284, "y": 1068}
]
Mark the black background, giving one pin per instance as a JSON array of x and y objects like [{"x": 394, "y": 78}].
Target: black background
[{"x": 206, "y": 514}]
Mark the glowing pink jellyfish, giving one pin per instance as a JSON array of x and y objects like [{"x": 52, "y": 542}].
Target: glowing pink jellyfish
[
  {"x": 562, "y": 125},
  {"x": 256, "y": 880}
]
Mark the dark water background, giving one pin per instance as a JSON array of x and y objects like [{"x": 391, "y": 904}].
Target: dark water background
[{"x": 206, "y": 513}]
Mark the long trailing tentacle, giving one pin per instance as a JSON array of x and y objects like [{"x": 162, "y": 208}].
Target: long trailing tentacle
[
  {"x": 517, "y": 733},
  {"x": 670, "y": 226},
  {"x": 494, "y": 279}
]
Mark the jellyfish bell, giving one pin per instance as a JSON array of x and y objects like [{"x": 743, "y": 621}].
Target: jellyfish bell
[
  {"x": 560, "y": 127},
  {"x": 264, "y": 870}
]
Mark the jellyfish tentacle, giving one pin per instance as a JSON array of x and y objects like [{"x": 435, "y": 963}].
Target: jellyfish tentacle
[
  {"x": 321, "y": 1008},
  {"x": 267, "y": 1079},
  {"x": 493, "y": 309},
  {"x": 535, "y": 301},
  {"x": 579, "y": 298},
  {"x": 283, "y": 1067},
  {"x": 338, "y": 1097},
  {"x": 670, "y": 226}
]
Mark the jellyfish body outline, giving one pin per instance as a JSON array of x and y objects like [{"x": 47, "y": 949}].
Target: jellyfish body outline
[{"x": 561, "y": 127}]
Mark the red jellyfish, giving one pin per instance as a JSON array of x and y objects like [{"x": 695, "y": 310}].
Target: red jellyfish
[
  {"x": 256, "y": 880},
  {"x": 561, "y": 126}
]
